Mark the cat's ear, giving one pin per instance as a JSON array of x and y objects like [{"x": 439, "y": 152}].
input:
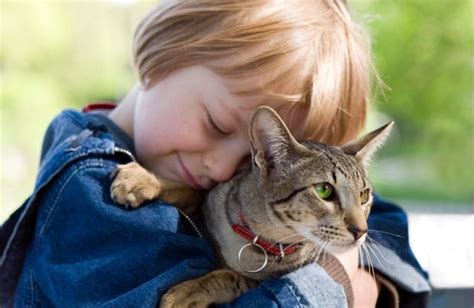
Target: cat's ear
[
  {"x": 271, "y": 141},
  {"x": 364, "y": 147}
]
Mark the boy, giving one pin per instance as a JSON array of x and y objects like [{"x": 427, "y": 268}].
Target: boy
[{"x": 203, "y": 67}]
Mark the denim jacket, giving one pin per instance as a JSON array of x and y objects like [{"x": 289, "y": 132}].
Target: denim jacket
[{"x": 69, "y": 244}]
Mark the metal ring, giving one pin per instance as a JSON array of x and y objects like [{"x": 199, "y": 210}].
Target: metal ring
[{"x": 239, "y": 255}]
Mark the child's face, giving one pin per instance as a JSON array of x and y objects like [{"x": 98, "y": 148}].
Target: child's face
[{"x": 190, "y": 129}]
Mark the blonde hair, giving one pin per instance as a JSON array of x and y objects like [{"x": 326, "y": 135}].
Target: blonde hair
[{"x": 308, "y": 54}]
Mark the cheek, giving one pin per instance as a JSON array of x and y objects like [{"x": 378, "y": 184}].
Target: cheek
[
  {"x": 146, "y": 146},
  {"x": 155, "y": 137},
  {"x": 150, "y": 135}
]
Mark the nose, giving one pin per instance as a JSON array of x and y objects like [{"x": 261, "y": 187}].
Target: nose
[
  {"x": 356, "y": 222},
  {"x": 223, "y": 162},
  {"x": 356, "y": 232}
]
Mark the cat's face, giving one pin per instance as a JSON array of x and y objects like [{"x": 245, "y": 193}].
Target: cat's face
[{"x": 314, "y": 190}]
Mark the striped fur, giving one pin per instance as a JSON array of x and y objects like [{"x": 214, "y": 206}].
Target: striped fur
[{"x": 277, "y": 197}]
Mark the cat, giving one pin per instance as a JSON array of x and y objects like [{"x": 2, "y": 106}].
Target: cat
[{"x": 298, "y": 203}]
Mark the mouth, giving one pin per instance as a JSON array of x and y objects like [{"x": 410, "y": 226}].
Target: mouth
[{"x": 188, "y": 177}]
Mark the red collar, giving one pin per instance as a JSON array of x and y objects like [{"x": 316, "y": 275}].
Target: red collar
[
  {"x": 99, "y": 106},
  {"x": 276, "y": 249}
]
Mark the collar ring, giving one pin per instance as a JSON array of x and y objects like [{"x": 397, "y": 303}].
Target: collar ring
[{"x": 239, "y": 257}]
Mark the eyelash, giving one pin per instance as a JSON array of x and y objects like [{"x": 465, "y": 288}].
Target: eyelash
[{"x": 214, "y": 126}]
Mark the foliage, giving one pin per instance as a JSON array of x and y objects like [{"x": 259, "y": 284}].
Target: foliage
[
  {"x": 55, "y": 55},
  {"x": 424, "y": 54}
]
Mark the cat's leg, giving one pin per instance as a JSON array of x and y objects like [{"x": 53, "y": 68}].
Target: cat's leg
[
  {"x": 220, "y": 286},
  {"x": 181, "y": 196},
  {"x": 134, "y": 185}
]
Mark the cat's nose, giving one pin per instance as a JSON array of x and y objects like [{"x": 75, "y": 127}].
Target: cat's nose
[{"x": 356, "y": 232}]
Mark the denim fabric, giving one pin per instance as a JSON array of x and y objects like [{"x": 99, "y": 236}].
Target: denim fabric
[
  {"x": 390, "y": 228},
  {"x": 71, "y": 245},
  {"x": 389, "y": 225},
  {"x": 88, "y": 251}
]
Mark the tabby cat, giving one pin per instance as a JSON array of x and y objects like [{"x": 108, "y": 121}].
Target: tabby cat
[{"x": 299, "y": 199}]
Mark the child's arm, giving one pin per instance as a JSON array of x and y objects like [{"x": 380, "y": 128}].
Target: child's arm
[
  {"x": 310, "y": 286},
  {"x": 89, "y": 251}
]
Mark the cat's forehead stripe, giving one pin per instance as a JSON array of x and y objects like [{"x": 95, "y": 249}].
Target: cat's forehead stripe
[
  {"x": 335, "y": 163},
  {"x": 340, "y": 163}
]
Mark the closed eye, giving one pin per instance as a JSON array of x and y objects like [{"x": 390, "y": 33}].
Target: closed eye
[{"x": 213, "y": 126}]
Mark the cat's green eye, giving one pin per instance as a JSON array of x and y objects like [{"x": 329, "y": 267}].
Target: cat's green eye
[
  {"x": 364, "y": 196},
  {"x": 324, "y": 190}
]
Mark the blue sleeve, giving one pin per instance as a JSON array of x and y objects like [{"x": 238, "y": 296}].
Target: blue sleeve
[
  {"x": 88, "y": 251},
  {"x": 309, "y": 286},
  {"x": 388, "y": 252},
  {"x": 388, "y": 226}
]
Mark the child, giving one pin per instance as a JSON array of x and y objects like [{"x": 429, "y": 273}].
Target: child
[{"x": 203, "y": 67}]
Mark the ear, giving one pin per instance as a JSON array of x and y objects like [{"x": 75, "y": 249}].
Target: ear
[
  {"x": 364, "y": 147},
  {"x": 271, "y": 142}
]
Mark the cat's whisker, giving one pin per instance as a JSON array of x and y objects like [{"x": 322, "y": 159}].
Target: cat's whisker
[
  {"x": 320, "y": 250},
  {"x": 283, "y": 239},
  {"x": 373, "y": 240},
  {"x": 385, "y": 232},
  {"x": 370, "y": 269},
  {"x": 309, "y": 255},
  {"x": 312, "y": 249},
  {"x": 274, "y": 229},
  {"x": 370, "y": 262},
  {"x": 317, "y": 252},
  {"x": 378, "y": 250},
  {"x": 361, "y": 255},
  {"x": 325, "y": 250},
  {"x": 362, "y": 251},
  {"x": 374, "y": 252}
]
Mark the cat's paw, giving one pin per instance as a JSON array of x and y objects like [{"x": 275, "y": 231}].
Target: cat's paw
[
  {"x": 184, "y": 296},
  {"x": 133, "y": 185}
]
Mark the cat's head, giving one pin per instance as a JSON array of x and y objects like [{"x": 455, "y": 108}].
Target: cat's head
[{"x": 318, "y": 191}]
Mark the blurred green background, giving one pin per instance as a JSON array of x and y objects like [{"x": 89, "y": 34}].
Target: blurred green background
[{"x": 58, "y": 54}]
